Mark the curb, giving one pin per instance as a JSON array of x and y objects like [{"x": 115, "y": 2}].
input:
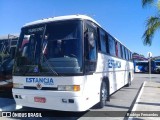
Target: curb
[
  {"x": 133, "y": 106},
  {"x": 137, "y": 100}
]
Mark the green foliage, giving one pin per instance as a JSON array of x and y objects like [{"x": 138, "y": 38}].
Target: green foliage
[
  {"x": 152, "y": 24},
  {"x": 158, "y": 5},
  {"x": 147, "y": 2}
]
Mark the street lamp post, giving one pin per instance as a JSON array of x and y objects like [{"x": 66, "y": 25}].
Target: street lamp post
[{"x": 150, "y": 57}]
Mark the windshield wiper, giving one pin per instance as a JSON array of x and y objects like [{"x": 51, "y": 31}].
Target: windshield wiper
[{"x": 48, "y": 64}]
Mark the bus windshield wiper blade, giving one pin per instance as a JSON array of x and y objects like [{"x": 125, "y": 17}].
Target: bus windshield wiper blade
[{"x": 48, "y": 64}]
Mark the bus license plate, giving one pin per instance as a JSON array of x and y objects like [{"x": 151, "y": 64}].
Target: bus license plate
[{"x": 39, "y": 99}]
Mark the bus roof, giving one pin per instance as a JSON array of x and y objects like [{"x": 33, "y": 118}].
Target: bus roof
[{"x": 60, "y": 18}]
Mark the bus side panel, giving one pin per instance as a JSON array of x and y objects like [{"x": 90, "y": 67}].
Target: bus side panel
[
  {"x": 115, "y": 69},
  {"x": 91, "y": 90}
]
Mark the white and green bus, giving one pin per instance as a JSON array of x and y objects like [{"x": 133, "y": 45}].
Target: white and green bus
[{"x": 69, "y": 63}]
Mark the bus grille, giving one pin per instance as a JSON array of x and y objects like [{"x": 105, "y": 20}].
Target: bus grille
[{"x": 43, "y": 88}]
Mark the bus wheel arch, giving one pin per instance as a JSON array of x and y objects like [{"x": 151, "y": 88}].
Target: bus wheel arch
[
  {"x": 129, "y": 80},
  {"x": 104, "y": 93},
  {"x": 106, "y": 80}
]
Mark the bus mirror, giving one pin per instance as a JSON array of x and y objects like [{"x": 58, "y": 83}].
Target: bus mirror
[{"x": 91, "y": 40}]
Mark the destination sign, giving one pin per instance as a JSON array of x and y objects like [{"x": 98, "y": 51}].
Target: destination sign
[{"x": 34, "y": 30}]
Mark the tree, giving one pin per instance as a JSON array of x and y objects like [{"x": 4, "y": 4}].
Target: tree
[
  {"x": 152, "y": 24},
  {"x": 147, "y": 2}
]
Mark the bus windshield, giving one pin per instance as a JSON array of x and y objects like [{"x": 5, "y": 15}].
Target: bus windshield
[
  {"x": 158, "y": 63},
  {"x": 52, "y": 48},
  {"x": 141, "y": 63}
]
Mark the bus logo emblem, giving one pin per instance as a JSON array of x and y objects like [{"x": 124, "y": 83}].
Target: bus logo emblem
[{"x": 39, "y": 86}]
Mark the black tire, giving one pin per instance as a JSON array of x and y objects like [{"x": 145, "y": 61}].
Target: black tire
[
  {"x": 129, "y": 81},
  {"x": 103, "y": 95}
]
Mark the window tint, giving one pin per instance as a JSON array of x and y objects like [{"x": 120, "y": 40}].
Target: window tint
[
  {"x": 129, "y": 55},
  {"x": 123, "y": 51},
  {"x": 111, "y": 46},
  {"x": 118, "y": 50},
  {"x": 92, "y": 51},
  {"x": 103, "y": 41},
  {"x": 126, "y": 53}
]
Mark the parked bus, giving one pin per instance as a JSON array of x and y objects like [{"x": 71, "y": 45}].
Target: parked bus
[
  {"x": 141, "y": 66},
  {"x": 156, "y": 66},
  {"x": 69, "y": 63},
  {"x": 8, "y": 45}
]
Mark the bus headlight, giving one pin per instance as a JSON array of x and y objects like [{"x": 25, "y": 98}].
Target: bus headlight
[
  {"x": 69, "y": 87},
  {"x": 17, "y": 85}
]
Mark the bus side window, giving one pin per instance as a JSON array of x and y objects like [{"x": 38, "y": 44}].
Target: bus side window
[
  {"x": 107, "y": 43},
  {"x": 103, "y": 41},
  {"x": 112, "y": 47},
  {"x": 129, "y": 55},
  {"x": 91, "y": 43},
  {"x": 91, "y": 39},
  {"x": 121, "y": 51},
  {"x": 124, "y": 53},
  {"x": 118, "y": 49}
]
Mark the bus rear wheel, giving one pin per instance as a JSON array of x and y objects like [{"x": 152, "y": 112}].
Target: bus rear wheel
[
  {"x": 129, "y": 81},
  {"x": 103, "y": 95}
]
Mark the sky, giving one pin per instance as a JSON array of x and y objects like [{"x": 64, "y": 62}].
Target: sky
[{"x": 123, "y": 19}]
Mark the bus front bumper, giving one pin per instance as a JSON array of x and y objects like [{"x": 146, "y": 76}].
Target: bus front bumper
[{"x": 53, "y": 100}]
